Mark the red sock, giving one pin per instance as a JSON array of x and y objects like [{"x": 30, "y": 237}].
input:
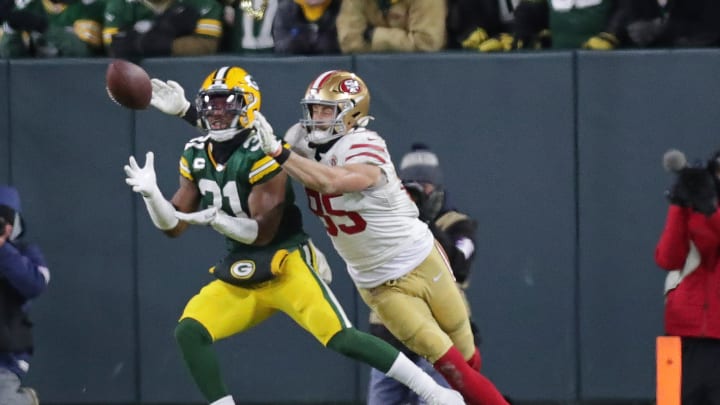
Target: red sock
[
  {"x": 474, "y": 387},
  {"x": 475, "y": 361}
]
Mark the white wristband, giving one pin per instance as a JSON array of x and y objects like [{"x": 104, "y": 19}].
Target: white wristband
[
  {"x": 161, "y": 212},
  {"x": 243, "y": 230}
]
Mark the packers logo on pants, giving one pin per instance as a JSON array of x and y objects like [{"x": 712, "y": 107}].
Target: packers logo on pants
[{"x": 242, "y": 269}]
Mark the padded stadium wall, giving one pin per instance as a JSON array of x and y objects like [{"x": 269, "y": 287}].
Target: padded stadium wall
[{"x": 556, "y": 154}]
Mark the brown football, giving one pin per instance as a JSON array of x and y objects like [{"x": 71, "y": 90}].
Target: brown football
[{"x": 128, "y": 84}]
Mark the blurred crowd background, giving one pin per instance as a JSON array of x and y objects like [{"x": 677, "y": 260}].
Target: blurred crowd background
[{"x": 135, "y": 29}]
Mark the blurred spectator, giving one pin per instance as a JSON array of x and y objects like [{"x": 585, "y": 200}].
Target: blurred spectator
[
  {"x": 244, "y": 33},
  {"x": 686, "y": 23},
  {"x": 23, "y": 276},
  {"x": 576, "y": 24},
  {"x": 391, "y": 25},
  {"x": 478, "y": 24},
  {"x": 51, "y": 28},
  {"x": 688, "y": 248},
  {"x": 146, "y": 28},
  {"x": 306, "y": 27}
]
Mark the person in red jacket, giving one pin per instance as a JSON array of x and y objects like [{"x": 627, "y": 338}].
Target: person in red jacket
[{"x": 689, "y": 247}]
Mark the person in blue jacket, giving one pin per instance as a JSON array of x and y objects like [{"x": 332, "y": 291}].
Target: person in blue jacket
[{"x": 23, "y": 276}]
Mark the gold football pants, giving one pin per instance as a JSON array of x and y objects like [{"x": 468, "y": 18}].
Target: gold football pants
[{"x": 424, "y": 309}]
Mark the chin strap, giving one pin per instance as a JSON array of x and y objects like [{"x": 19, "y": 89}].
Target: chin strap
[{"x": 224, "y": 134}]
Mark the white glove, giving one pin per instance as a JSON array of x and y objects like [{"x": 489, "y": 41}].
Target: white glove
[
  {"x": 268, "y": 141},
  {"x": 169, "y": 97},
  {"x": 143, "y": 181},
  {"x": 243, "y": 230},
  {"x": 203, "y": 217}
]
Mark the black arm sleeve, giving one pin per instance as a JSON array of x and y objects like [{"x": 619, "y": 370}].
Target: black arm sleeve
[{"x": 191, "y": 117}]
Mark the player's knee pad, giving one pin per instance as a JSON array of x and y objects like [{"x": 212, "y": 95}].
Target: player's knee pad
[
  {"x": 429, "y": 343},
  {"x": 190, "y": 332},
  {"x": 462, "y": 337}
]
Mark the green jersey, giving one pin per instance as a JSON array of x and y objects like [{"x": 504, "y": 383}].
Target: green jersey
[
  {"x": 123, "y": 15},
  {"x": 228, "y": 185},
  {"x": 249, "y": 35},
  {"x": 74, "y": 30},
  {"x": 572, "y": 22}
]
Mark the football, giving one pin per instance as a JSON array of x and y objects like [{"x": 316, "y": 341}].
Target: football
[{"x": 128, "y": 84}]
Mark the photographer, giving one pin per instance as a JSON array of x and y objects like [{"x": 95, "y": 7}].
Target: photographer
[
  {"x": 23, "y": 276},
  {"x": 689, "y": 248}
]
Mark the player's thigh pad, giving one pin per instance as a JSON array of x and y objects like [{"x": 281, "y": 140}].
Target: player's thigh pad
[
  {"x": 409, "y": 319},
  {"x": 424, "y": 309},
  {"x": 446, "y": 301},
  {"x": 308, "y": 300},
  {"x": 224, "y": 309}
]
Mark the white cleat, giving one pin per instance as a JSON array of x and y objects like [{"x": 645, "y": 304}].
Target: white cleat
[{"x": 446, "y": 396}]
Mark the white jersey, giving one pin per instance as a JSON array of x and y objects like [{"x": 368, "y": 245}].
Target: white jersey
[
  {"x": 295, "y": 136},
  {"x": 376, "y": 231}
]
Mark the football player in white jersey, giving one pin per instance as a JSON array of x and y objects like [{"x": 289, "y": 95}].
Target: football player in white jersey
[{"x": 399, "y": 269}]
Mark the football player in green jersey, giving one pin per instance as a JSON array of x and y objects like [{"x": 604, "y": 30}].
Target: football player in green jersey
[{"x": 227, "y": 182}]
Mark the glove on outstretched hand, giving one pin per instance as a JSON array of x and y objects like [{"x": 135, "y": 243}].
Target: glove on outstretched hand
[
  {"x": 694, "y": 188},
  {"x": 268, "y": 141},
  {"x": 142, "y": 179},
  {"x": 169, "y": 97}
]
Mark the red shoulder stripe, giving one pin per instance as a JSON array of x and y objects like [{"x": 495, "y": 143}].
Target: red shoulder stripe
[
  {"x": 369, "y": 154},
  {"x": 368, "y": 145}
]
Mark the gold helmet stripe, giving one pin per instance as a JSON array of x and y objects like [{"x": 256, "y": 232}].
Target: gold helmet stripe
[
  {"x": 185, "y": 169},
  {"x": 259, "y": 173}
]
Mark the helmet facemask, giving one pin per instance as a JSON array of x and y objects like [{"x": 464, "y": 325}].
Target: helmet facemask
[
  {"x": 320, "y": 131},
  {"x": 222, "y": 112}
]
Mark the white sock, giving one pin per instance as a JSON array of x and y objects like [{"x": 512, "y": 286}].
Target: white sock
[
  {"x": 226, "y": 400},
  {"x": 411, "y": 375}
]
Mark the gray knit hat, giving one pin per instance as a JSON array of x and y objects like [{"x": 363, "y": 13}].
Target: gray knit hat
[{"x": 421, "y": 165}]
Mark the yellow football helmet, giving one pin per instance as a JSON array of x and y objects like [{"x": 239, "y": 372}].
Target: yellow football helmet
[
  {"x": 344, "y": 91},
  {"x": 227, "y": 102}
]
